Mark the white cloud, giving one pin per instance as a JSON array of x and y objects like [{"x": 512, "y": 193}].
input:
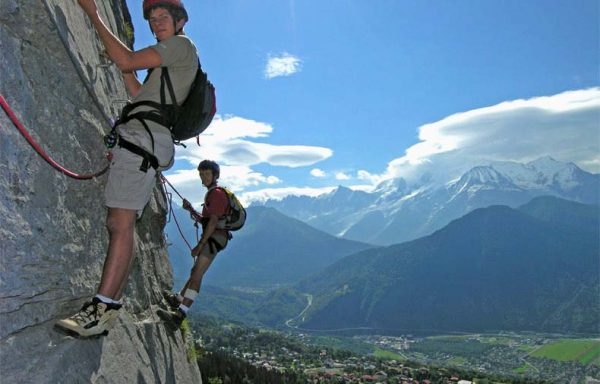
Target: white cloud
[
  {"x": 235, "y": 127},
  {"x": 316, "y": 172},
  {"x": 228, "y": 142},
  {"x": 564, "y": 126},
  {"x": 282, "y": 65},
  {"x": 280, "y": 193},
  {"x": 342, "y": 176},
  {"x": 225, "y": 141},
  {"x": 362, "y": 187},
  {"x": 263, "y": 195},
  {"x": 369, "y": 177}
]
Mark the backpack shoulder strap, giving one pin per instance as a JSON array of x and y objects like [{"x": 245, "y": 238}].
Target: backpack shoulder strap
[
  {"x": 148, "y": 73},
  {"x": 161, "y": 113},
  {"x": 166, "y": 79},
  {"x": 209, "y": 191}
]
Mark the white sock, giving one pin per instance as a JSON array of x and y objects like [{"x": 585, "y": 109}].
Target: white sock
[
  {"x": 184, "y": 308},
  {"x": 190, "y": 294},
  {"x": 108, "y": 300}
]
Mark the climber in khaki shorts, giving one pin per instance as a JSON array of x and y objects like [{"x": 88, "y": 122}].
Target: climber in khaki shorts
[{"x": 144, "y": 149}]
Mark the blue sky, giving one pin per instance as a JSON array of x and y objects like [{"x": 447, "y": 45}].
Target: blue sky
[{"x": 314, "y": 94}]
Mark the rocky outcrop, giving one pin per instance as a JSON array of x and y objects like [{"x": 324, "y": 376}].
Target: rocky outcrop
[{"x": 52, "y": 235}]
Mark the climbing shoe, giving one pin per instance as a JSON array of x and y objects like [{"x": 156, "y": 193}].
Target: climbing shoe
[
  {"x": 93, "y": 319},
  {"x": 171, "y": 318},
  {"x": 171, "y": 299}
]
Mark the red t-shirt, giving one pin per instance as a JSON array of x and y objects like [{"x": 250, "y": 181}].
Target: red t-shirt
[{"x": 215, "y": 203}]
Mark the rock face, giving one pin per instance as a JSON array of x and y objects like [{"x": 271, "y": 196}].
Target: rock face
[{"x": 52, "y": 235}]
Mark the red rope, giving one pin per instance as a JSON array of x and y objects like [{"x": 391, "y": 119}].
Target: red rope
[
  {"x": 180, "y": 231},
  {"x": 39, "y": 149},
  {"x": 194, "y": 214}
]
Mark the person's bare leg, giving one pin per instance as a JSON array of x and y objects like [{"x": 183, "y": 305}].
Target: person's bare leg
[
  {"x": 195, "y": 280},
  {"x": 119, "y": 257},
  {"x": 87, "y": 322},
  {"x": 126, "y": 279}
]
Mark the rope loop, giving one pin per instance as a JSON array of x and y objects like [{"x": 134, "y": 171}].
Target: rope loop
[{"x": 17, "y": 123}]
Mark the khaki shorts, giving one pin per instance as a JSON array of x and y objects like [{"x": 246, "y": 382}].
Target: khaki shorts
[{"x": 128, "y": 187}]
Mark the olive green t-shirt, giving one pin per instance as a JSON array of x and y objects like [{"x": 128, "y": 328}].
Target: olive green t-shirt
[{"x": 178, "y": 54}]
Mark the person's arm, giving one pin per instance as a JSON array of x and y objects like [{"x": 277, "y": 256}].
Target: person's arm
[
  {"x": 193, "y": 213},
  {"x": 132, "y": 84},
  {"x": 126, "y": 59}
]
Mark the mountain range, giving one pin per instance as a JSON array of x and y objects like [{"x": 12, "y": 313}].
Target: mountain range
[
  {"x": 396, "y": 211},
  {"x": 497, "y": 268},
  {"x": 534, "y": 268}
]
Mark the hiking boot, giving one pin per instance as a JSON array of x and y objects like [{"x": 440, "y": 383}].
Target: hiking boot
[
  {"x": 172, "y": 318},
  {"x": 94, "y": 318},
  {"x": 171, "y": 299}
]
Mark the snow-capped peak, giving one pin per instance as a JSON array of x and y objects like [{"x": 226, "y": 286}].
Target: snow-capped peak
[
  {"x": 547, "y": 165},
  {"x": 481, "y": 177},
  {"x": 538, "y": 174},
  {"x": 391, "y": 186}
]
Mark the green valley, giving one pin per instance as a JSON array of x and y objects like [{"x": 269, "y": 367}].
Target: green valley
[
  {"x": 260, "y": 353},
  {"x": 582, "y": 351}
]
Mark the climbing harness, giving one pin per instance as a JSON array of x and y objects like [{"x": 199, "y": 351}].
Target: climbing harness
[
  {"x": 114, "y": 139},
  {"x": 13, "y": 118}
]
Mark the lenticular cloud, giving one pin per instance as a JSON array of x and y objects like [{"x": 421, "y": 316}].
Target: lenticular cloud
[{"x": 564, "y": 126}]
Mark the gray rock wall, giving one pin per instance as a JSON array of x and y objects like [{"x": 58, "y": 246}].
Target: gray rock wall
[{"x": 52, "y": 234}]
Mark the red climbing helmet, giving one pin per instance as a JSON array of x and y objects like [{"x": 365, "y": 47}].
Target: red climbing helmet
[{"x": 175, "y": 7}]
